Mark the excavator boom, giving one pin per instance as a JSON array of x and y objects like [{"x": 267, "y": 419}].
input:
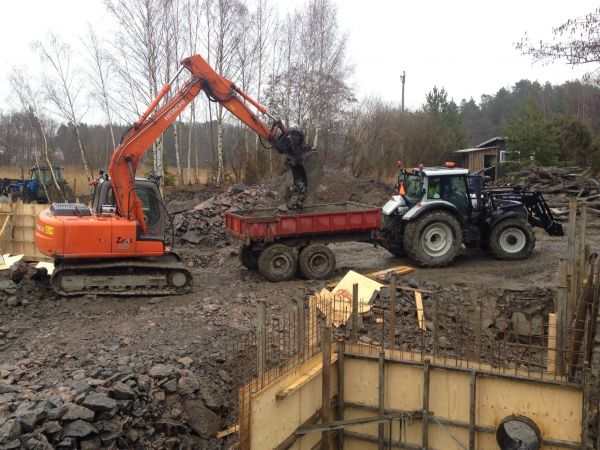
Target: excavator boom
[
  {"x": 154, "y": 122},
  {"x": 119, "y": 249}
]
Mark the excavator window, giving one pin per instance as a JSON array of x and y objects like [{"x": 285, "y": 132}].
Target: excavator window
[{"x": 153, "y": 212}]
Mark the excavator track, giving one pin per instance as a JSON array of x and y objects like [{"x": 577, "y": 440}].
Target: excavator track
[{"x": 124, "y": 277}]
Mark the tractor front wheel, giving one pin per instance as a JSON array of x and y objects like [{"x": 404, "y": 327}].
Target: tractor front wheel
[{"x": 512, "y": 239}]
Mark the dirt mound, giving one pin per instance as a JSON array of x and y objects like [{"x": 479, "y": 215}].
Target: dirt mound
[{"x": 338, "y": 186}]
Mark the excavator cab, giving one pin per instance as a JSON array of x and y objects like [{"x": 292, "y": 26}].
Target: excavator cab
[{"x": 105, "y": 204}]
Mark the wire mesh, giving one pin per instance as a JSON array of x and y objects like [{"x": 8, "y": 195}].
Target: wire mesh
[{"x": 450, "y": 334}]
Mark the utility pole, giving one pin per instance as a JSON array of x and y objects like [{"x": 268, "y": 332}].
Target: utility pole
[{"x": 403, "y": 79}]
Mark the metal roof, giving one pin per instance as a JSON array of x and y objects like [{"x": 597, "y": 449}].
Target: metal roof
[
  {"x": 476, "y": 149},
  {"x": 485, "y": 143},
  {"x": 444, "y": 171}
]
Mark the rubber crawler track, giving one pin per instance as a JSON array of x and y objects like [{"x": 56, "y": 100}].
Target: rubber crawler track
[{"x": 166, "y": 264}]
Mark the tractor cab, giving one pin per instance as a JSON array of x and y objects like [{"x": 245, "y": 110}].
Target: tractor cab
[{"x": 447, "y": 187}]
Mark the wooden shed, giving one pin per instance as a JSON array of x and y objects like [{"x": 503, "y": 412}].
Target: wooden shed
[{"x": 484, "y": 156}]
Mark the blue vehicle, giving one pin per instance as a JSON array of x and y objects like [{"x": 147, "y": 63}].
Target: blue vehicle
[{"x": 35, "y": 187}]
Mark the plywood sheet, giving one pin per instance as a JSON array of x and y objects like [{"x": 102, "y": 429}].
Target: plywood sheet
[
  {"x": 366, "y": 287},
  {"x": 272, "y": 420},
  {"x": 338, "y": 307},
  {"x": 555, "y": 409}
]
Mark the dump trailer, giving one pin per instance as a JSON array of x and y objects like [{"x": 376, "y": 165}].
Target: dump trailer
[{"x": 278, "y": 242}]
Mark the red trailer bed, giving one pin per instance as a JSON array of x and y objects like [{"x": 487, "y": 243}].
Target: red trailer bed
[
  {"x": 268, "y": 225},
  {"x": 277, "y": 243}
]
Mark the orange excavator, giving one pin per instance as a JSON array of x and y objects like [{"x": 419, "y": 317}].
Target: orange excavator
[{"x": 118, "y": 246}]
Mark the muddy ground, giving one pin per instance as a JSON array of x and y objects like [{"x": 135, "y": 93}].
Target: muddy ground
[{"x": 83, "y": 346}]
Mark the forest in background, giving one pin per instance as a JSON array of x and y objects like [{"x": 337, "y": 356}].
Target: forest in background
[{"x": 297, "y": 65}]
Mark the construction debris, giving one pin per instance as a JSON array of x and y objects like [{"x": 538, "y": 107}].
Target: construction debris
[
  {"x": 204, "y": 223},
  {"x": 558, "y": 184}
]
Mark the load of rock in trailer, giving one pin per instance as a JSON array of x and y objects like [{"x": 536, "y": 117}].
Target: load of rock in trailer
[{"x": 204, "y": 222}]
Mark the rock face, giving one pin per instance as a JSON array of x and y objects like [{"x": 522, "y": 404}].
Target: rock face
[
  {"x": 160, "y": 408},
  {"x": 201, "y": 419}
]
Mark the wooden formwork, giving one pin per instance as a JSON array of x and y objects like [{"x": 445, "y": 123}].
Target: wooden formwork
[
  {"x": 444, "y": 406},
  {"x": 17, "y": 227}
]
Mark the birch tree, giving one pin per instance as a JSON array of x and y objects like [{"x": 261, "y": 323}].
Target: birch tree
[
  {"x": 100, "y": 73},
  {"x": 63, "y": 89},
  {"x": 192, "y": 20},
  {"x": 139, "y": 46},
  {"x": 28, "y": 99},
  {"x": 227, "y": 32}
]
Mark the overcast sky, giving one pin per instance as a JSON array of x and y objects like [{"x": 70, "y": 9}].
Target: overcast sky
[{"x": 466, "y": 46}]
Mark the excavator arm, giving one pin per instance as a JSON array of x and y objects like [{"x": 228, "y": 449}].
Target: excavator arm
[{"x": 303, "y": 161}]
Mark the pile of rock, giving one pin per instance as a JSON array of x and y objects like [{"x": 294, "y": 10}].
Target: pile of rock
[
  {"x": 204, "y": 222},
  {"x": 166, "y": 408},
  {"x": 20, "y": 284}
]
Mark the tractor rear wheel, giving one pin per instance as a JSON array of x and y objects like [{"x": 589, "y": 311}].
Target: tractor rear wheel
[
  {"x": 278, "y": 262},
  {"x": 512, "y": 239},
  {"x": 249, "y": 257},
  {"x": 434, "y": 239},
  {"x": 317, "y": 262}
]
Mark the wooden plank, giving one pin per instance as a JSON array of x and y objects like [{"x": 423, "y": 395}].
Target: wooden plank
[
  {"x": 366, "y": 286},
  {"x": 551, "y": 343},
  {"x": 380, "y": 274},
  {"x": 271, "y": 421},
  {"x": 228, "y": 431},
  {"x": 303, "y": 379},
  {"x": 420, "y": 312}
]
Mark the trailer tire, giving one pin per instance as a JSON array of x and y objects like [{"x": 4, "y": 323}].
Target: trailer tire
[
  {"x": 512, "y": 239},
  {"x": 434, "y": 239},
  {"x": 278, "y": 262},
  {"x": 317, "y": 262},
  {"x": 249, "y": 257}
]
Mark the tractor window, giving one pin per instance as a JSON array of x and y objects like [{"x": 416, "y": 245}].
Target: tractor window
[
  {"x": 110, "y": 198},
  {"x": 454, "y": 190},
  {"x": 413, "y": 186},
  {"x": 434, "y": 188},
  {"x": 45, "y": 176}
]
